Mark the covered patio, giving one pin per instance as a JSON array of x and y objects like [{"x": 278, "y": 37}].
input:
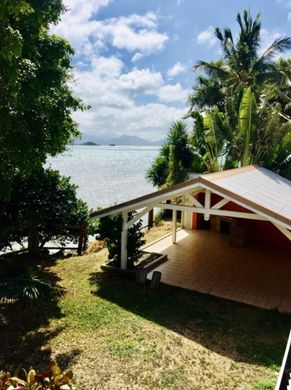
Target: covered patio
[
  {"x": 203, "y": 260},
  {"x": 235, "y": 240}
]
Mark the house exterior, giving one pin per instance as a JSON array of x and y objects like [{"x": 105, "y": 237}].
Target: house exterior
[{"x": 251, "y": 202}]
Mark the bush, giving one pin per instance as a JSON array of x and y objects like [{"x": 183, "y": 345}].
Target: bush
[
  {"x": 39, "y": 203},
  {"x": 158, "y": 221},
  {"x": 53, "y": 379},
  {"x": 22, "y": 281},
  {"x": 109, "y": 229}
]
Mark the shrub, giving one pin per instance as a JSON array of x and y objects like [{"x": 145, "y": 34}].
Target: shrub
[
  {"x": 109, "y": 229},
  {"x": 41, "y": 204},
  {"x": 19, "y": 280},
  {"x": 158, "y": 221},
  {"x": 53, "y": 379}
]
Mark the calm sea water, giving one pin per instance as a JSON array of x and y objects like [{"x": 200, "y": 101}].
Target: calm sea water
[{"x": 107, "y": 174}]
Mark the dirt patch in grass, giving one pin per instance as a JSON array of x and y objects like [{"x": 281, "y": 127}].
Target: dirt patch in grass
[{"x": 116, "y": 334}]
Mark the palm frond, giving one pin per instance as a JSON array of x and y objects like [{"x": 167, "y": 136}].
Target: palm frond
[
  {"x": 211, "y": 68},
  {"x": 280, "y": 45},
  {"x": 28, "y": 288}
]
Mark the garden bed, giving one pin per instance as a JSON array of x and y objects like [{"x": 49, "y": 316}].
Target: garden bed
[{"x": 146, "y": 263}]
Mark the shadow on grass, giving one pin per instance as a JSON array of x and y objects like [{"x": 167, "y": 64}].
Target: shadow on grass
[
  {"x": 24, "y": 327},
  {"x": 238, "y": 331}
]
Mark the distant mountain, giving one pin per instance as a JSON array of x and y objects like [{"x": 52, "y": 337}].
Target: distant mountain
[
  {"x": 128, "y": 140},
  {"x": 131, "y": 140}
]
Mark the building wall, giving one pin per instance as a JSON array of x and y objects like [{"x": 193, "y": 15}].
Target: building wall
[{"x": 262, "y": 231}]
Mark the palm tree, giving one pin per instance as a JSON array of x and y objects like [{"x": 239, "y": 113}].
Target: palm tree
[
  {"x": 242, "y": 65},
  {"x": 182, "y": 155},
  {"x": 251, "y": 90}
]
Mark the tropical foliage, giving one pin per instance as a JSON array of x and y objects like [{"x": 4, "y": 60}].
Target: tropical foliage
[
  {"x": 52, "y": 379},
  {"x": 21, "y": 281},
  {"x": 250, "y": 92},
  {"x": 109, "y": 229},
  {"x": 174, "y": 160}
]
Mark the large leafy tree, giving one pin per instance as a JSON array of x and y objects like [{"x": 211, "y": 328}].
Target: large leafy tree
[
  {"x": 252, "y": 91},
  {"x": 35, "y": 100}
]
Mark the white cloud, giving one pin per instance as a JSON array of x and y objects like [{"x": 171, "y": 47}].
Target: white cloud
[
  {"x": 207, "y": 37},
  {"x": 172, "y": 93},
  {"x": 88, "y": 35},
  {"x": 176, "y": 69},
  {"x": 112, "y": 95},
  {"x": 135, "y": 32},
  {"x": 117, "y": 95},
  {"x": 179, "y": 2},
  {"x": 136, "y": 57},
  {"x": 141, "y": 81}
]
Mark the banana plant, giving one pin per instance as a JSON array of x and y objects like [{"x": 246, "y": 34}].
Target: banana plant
[
  {"x": 210, "y": 137},
  {"x": 246, "y": 126}
]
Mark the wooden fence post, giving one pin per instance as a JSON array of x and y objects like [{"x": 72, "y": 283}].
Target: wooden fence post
[
  {"x": 82, "y": 238},
  {"x": 151, "y": 219}
]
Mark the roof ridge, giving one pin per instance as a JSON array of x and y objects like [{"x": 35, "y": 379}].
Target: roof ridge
[{"x": 229, "y": 172}]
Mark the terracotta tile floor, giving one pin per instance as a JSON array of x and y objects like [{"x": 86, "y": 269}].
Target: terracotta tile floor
[{"x": 204, "y": 261}]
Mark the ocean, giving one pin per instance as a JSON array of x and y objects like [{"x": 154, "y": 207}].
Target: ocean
[{"x": 106, "y": 175}]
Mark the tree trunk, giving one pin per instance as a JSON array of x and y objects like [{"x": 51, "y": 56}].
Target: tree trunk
[{"x": 33, "y": 242}]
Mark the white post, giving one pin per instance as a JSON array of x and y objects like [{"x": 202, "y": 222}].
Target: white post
[
  {"x": 207, "y": 204},
  {"x": 124, "y": 241},
  {"x": 174, "y": 226},
  {"x": 187, "y": 215}
]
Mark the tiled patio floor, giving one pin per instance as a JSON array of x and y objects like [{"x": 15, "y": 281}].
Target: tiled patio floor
[{"x": 204, "y": 261}]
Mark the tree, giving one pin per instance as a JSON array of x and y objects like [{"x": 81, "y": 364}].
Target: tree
[
  {"x": 42, "y": 204},
  {"x": 176, "y": 172},
  {"x": 109, "y": 229},
  {"x": 252, "y": 92},
  {"x": 178, "y": 136},
  {"x": 35, "y": 100},
  {"x": 242, "y": 66}
]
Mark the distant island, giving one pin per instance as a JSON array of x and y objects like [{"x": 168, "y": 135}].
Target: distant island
[
  {"x": 88, "y": 143},
  {"x": 123, "y": 140}
]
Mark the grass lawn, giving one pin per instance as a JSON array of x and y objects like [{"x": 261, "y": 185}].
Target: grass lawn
[{"x": 116, "y": 334}]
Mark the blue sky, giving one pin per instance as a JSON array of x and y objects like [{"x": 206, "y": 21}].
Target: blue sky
[{"x": 133, "y": 58}]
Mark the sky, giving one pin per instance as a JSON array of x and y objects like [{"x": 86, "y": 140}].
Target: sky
[{"x": 133, "y": 58}]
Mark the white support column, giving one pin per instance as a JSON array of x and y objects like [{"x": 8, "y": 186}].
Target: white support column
[
  {"x": 174, "y": 226},
  {"x": 187, "y": 215},
  {"x": 207, "y": 205},
  {"x": 124, "y": 240}
]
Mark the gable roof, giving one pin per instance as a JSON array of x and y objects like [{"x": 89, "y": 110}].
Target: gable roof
[{"x": 254, "y": 187}]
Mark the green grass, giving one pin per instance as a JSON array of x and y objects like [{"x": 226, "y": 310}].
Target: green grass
[{"x": 116, "y": 334}]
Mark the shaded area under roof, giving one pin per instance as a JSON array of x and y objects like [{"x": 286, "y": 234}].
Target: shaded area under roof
[{"x": 255, "y": 187}]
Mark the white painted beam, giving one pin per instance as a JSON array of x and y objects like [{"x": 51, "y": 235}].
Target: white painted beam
[
  {"x": 124, "y": 237},
  {"x": 220, "y": 204},
  {"x": 225, "y": 213},
  {"x": 138, "y": 216},
  {"x": 194, "y": 200},
  {"x": 174, "y": 226},
  {"x": 283, "y": 230}
]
